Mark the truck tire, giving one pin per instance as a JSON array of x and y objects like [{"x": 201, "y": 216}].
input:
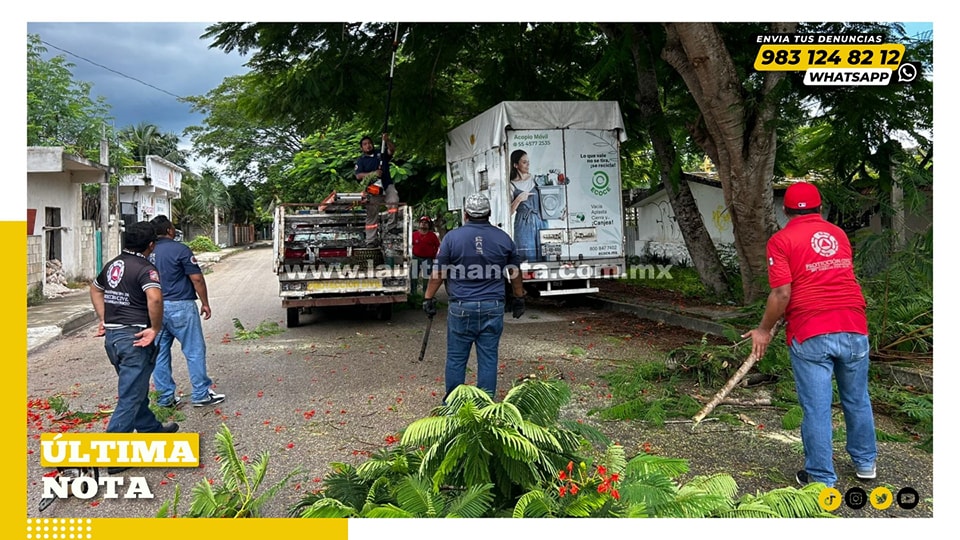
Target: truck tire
[{"x": 293, "y": 317}]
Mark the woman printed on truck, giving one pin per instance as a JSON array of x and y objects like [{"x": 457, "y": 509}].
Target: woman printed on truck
[{"x": 526, "y": 205}]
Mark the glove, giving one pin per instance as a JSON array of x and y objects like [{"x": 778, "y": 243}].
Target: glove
[
  {"x": 519, "y": 306},
  {"x": 430, "y": 307}
]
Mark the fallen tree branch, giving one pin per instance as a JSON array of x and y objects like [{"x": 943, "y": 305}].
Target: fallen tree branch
[
  {"x": 757, "y": 402},
  {"x": 732, "y": 382}
]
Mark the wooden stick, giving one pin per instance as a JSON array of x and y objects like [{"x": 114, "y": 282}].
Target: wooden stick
[{"x": 732, "y": 382}]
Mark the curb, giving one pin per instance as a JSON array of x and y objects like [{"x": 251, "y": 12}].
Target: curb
[
  {"x": 666, "y": 317},
  {"x": 76, "y": 322}
]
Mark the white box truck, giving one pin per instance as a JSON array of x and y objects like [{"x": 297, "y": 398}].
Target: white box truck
[{"x": 551, "y": 170}]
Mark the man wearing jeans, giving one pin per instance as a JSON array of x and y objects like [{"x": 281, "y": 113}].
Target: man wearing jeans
[
  {"x": 814, "y": 289},
  {"x": 475, "y": 259},
  {"x": 183, "y": 283},
  {"x": 127, "y": 299}
]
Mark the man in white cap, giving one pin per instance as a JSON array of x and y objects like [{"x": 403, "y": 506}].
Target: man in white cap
[
  {"x": 475, "y": 259},
  {"x": 814, "y": 288}
]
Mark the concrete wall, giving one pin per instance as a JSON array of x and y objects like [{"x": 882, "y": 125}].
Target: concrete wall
[
  {"x": 55, "y": 190},
  {"x": 35, "y": 262},
  {"x": 658, "y": 232}
]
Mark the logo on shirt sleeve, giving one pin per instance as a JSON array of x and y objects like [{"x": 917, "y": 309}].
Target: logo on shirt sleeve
[
  {"x": 193, "y": 259},
  {"x": 155, "y": 276},
  {"x": 824, "y": 244}
]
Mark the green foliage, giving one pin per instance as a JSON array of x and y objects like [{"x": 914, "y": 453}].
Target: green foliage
[
  {"x": 265, "y": 328},
  {"x": 237, "y": 493},
  {"x": 202, "y": 244},
  {"x": 514, "y": 444},
  {"x": 792, "y": 418},
  {"x": 684, "y": 280},
  {"x": 898, "y": 287},
  {"x": 413, "y": 480},
  {"x": 35, "y": 295},
  {"x": 60, "y": 111}
]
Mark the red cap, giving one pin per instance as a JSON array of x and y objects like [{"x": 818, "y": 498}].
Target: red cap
[
  {"x": 424, "y": 218},
  {"x": 801, "y": 196}
]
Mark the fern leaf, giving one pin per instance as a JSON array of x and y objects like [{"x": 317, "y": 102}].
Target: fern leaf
[
  {"x": 473, "y": 503},
  {"x": 534, "y": 504},
  {"x": 329, "y": 508}
]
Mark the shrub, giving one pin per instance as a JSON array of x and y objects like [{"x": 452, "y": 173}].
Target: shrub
[{"x": 201, "y": 244}]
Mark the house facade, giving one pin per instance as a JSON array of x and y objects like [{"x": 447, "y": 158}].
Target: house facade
[
  {"x": 149, "y": 190},
  {"x": 57, "y": 235}
]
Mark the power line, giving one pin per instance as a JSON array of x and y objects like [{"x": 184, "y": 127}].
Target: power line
[{"x": 112, "y": 70}]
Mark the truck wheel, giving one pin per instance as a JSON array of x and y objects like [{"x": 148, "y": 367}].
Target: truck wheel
[{"x": 293, "y": 317}]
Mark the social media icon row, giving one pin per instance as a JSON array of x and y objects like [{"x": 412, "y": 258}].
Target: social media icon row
[{"x": 879, "y": 497}]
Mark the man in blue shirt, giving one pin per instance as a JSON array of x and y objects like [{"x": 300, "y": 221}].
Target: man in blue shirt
[
  {"x": 183, "y": 283},
  {"x": 373, "y": 168},
  {"x": 475, "y": 259}
]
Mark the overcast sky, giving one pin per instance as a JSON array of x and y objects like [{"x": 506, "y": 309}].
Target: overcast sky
[{"x": 142, "y": 68}]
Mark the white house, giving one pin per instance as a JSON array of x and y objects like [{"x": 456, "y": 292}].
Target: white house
[
  {"x": 55, "y": 228},
  {"x": 149, "y": 190},
  {"x": 657, "y": 231}
]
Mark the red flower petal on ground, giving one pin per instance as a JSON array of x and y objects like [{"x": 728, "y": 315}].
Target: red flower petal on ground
[
  {"x": 290, "y": 445},
  {"x": 95, "y": 504},
  {"x": 260, "y": 393}
]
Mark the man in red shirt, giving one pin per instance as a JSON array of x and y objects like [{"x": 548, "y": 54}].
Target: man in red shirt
[
  {"x": 814, "y": 289},
  {"x": 426, "y": 243}
]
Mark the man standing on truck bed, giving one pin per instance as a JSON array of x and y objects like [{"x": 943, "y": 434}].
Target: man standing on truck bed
[
  {"x": 373, "y": 167},
  {"x": 475, "y": 259}
]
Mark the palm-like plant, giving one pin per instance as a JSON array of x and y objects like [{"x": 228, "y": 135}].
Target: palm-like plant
[
  {"x": 514, "y": 444},
  {"x": 238, "y": 493}
]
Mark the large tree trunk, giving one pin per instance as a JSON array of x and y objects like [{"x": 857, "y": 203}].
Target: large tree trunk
[
  {"x": 739, "y": 137},
  {"x": 695, "y": 235}
]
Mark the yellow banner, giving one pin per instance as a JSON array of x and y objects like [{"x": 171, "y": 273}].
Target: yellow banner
[{"x": 804, "y": 57}]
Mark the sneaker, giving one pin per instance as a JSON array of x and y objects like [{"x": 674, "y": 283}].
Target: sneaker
[
  {"x": 867, "y": 472},
  {"x": 212, "y": 399},
  {"x": 169, "y": 427},
  {"x": 175, "y": 404},
  {"x": 802, "y": 478}
]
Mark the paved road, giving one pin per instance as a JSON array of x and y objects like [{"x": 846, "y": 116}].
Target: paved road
[
  {"x": 335, "y": 388},
  {"x": 329, "y": 390}
]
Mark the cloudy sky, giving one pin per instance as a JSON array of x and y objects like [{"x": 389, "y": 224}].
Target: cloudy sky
[{"x": 142, "y": 68}]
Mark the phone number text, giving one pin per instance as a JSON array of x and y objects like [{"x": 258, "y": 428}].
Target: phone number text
[{"x": 803, "y": 57}]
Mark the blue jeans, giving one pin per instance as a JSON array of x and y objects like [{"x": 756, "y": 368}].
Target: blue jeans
[
  {"x": 133, "y": 366},
  {"x": 181, "y": 320},
  {"x": 815, "y": 362},
  {"x": 470, "y": 323}
]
